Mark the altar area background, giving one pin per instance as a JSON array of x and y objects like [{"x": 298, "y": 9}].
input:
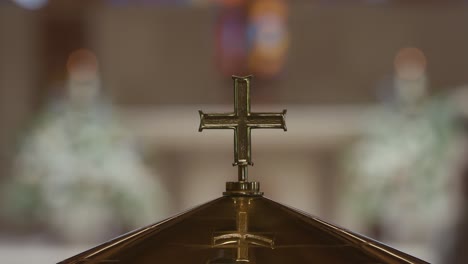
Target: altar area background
[{"x": 99, "y": 116}]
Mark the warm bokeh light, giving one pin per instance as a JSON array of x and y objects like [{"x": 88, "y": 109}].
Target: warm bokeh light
[
  {"x": 410, "y": 63},
  {"x": 231, "y": 3},
  {"x": 82, "y": 65},
  {"x": 259, "y": 8},
  {"x": 268, "y": 37}
]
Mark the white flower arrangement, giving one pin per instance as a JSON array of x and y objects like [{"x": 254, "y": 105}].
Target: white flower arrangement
[{"x": 78, "y": 172}]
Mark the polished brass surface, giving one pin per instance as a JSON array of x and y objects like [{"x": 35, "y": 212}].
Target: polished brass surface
[
  {"x": 242, "y": 121},
  {"x": 241, "y": 238},
  {"x": 242, "y": 189},
  {"x": 236, "y": 229}
]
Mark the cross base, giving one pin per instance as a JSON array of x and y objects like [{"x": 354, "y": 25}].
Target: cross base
[{"x": 242, "y": 188}]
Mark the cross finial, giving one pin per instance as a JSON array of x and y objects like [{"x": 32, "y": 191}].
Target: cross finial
[{"x": 242, "y": 121}]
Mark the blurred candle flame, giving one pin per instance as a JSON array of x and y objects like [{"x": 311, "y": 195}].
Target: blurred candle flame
[
  {"x": 410, "y": 64},
  {"x": 82, "y": 65}
]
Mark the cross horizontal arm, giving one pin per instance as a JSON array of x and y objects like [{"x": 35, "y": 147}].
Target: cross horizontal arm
[
  {"x": 217, "y": 121},
  {"x": 267, "y": 120}
]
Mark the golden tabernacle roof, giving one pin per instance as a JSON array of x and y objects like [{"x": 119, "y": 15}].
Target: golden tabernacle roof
[
  {"x": 242, "y": 229},
  {"x": 243, "y": 226}
]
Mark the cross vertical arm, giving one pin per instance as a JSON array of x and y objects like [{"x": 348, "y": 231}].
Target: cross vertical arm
[
  {"x": 242, "y": 146},
  {"x": 242, "y": 95}
]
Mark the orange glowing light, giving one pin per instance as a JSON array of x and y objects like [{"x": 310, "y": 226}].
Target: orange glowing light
[
  {"x": 410, "y": 63},
  {"x": 261, "y": 7},
  {"x": 231, "y": 3},
  {"x": 82, "y": 64}
]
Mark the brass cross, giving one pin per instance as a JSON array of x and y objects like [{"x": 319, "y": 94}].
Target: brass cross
[{"x": 242, "y": 121}]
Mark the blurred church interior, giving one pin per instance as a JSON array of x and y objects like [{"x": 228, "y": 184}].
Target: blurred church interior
[{"x": 99, "y": 116}]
